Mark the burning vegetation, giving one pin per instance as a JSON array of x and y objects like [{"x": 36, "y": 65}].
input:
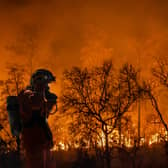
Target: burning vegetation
[{"x": 98, "y": 110}]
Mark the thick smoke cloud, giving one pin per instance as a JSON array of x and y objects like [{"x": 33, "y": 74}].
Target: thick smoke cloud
[{"x": 67, "y": 28}]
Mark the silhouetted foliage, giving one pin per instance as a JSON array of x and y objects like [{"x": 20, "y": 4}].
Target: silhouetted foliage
[
  {"x": 160, "y": 70},
  {"x": 99, "y": 98},
  {"x": 10, "y": 87}
]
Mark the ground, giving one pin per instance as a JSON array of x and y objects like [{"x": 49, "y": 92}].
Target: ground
[{"x": 154, "y": 156}]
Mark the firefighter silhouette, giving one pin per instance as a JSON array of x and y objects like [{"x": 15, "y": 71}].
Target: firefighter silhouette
[{"x": 28, "y": 113}]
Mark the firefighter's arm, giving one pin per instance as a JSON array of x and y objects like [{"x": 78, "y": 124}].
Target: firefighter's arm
[
  {"x": 25, "y": 105},
  {"x": 51, "y": 104}
]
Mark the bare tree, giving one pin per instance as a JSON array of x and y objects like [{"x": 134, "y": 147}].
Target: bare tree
[
  {"x": 160, "y": 70},
  {"x": 15, "y": 81},
  {"x": 11, "y": 87},
  {"x": 101, "y": 94},
  {"x": 147, "y": 91}
]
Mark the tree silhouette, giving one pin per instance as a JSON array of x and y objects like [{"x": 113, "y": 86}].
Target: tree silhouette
[
  {"x": 160, "y": 70},
  {"x": 100, "y": 97},
  {"x": 11, "y": 87}
]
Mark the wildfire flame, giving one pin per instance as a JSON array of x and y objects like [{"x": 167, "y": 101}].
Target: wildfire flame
[
  {"x": 154, "y": 139},
  {"x": 126, "y": 141}
]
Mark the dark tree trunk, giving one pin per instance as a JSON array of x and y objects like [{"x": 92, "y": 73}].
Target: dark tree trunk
[
  {"x": 18, "y": 144},
  {"x": 107, "y": 152}
]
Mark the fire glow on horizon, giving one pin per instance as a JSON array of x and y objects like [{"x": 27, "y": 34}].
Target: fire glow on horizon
[{"x": 127, "y": 142}]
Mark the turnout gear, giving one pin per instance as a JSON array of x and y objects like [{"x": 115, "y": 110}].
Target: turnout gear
[
  {"x": 28, "y": 112},
  {"x": 14, "y": 115}
]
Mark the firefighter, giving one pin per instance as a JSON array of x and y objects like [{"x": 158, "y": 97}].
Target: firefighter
[{"x": 34, "y": 105}]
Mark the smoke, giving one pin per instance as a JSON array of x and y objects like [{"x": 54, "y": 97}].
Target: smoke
[{"x": 86, "y": 32}]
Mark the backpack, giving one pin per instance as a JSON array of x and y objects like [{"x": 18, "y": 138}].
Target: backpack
[{"x": 14, "y": 115}]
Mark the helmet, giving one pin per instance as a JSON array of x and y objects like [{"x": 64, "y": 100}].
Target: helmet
[{"x": 42, "y": 76}]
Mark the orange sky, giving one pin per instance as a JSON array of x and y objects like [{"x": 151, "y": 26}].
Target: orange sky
[{"x": 78, "y": 31}]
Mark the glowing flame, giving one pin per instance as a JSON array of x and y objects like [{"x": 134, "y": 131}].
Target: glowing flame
[
  {"x": 60, "y": 146},
  {"x": 142, "y": 141},
  {"x": 54, "y": 148},
  {"x": 166, "y": 135},
  {"x": 154, "y": 139},
  {"x": 128, "y": 142},
  {"x": 114, "y": 139}
]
